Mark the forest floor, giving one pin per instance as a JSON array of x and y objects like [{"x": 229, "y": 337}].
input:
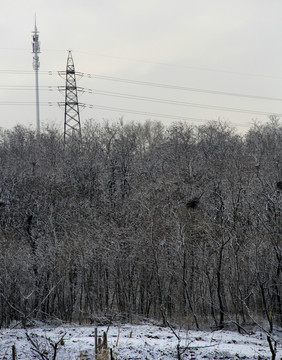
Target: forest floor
[{"x": 136, "y": 342}]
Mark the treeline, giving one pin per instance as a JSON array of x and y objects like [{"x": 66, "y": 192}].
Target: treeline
[{"x": 175, "y": 222}]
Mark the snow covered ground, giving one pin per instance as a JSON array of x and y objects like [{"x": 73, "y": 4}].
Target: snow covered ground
[{"x": 137, "y": 342}]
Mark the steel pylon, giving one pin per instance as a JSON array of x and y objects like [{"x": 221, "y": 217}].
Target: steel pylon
[{"x": 72, "y": 127}]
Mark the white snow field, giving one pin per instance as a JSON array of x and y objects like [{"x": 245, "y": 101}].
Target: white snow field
[{"x": 137, "y": 342}]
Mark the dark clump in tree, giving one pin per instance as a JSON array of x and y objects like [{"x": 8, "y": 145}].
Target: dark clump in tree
[{"x": 193, "y": 203}]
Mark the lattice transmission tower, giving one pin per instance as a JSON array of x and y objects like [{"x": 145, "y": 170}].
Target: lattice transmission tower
[{"x": 72, "y": 127}]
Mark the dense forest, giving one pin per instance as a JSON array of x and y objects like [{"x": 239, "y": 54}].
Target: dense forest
[{"x": 140, "y": 220}]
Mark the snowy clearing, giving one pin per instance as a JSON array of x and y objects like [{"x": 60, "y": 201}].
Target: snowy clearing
[{"x": 137, "y": 342}]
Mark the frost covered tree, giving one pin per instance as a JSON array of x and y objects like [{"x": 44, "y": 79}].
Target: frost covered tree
[{"x": 176, "y": 222}]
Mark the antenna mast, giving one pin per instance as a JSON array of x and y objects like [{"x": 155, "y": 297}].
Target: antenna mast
[{"x": 36, "y": 64}]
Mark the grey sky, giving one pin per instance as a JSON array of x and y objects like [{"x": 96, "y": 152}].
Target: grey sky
[{"x": 220, "y": 45}]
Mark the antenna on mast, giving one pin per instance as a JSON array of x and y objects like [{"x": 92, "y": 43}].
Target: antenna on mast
[{"x": 36, "y": 64}]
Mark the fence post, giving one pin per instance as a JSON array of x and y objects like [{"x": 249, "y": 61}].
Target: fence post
[
  {"x": 96, "y": 342},
  {"x": 14, "y": 352}
]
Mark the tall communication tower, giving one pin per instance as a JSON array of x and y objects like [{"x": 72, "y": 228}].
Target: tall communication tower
[
  {"x": 72, "y": 127},
  {"x": 36, "y": 64}
]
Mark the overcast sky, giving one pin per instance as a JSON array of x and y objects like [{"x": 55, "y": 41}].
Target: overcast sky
[{"x": 226, "y": 46}]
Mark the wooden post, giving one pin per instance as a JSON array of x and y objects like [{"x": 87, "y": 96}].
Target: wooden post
[
  {"x": 105, "y": 340},
  {"x": 14, "y": 352},
  {"x": 96, "y": 342}
]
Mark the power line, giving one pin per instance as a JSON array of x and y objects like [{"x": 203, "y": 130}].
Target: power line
[
  {"x": 27, "y": 87},
  {"x": 100, "y": 107},
  {"x": 177, "y": 87},
  {"x": 115, "y": 109},
  {"x": 163, "y": 101},
  {"x": 27, "y": 103},
  {"x": 151, "y": 99},
  {"x": 18, "y": 72},
  {"x": 137, "y": 97},
  {"x": 252, "y": 96},
  {"x": 147, "y": 83},
  {"x": 146, "y": 61},
  {"x": 178, "y": 103},
  {"x": 137, "y": 112}
]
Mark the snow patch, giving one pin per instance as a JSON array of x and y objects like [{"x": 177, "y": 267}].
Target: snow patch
[{"x": 138, "y": 342}]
